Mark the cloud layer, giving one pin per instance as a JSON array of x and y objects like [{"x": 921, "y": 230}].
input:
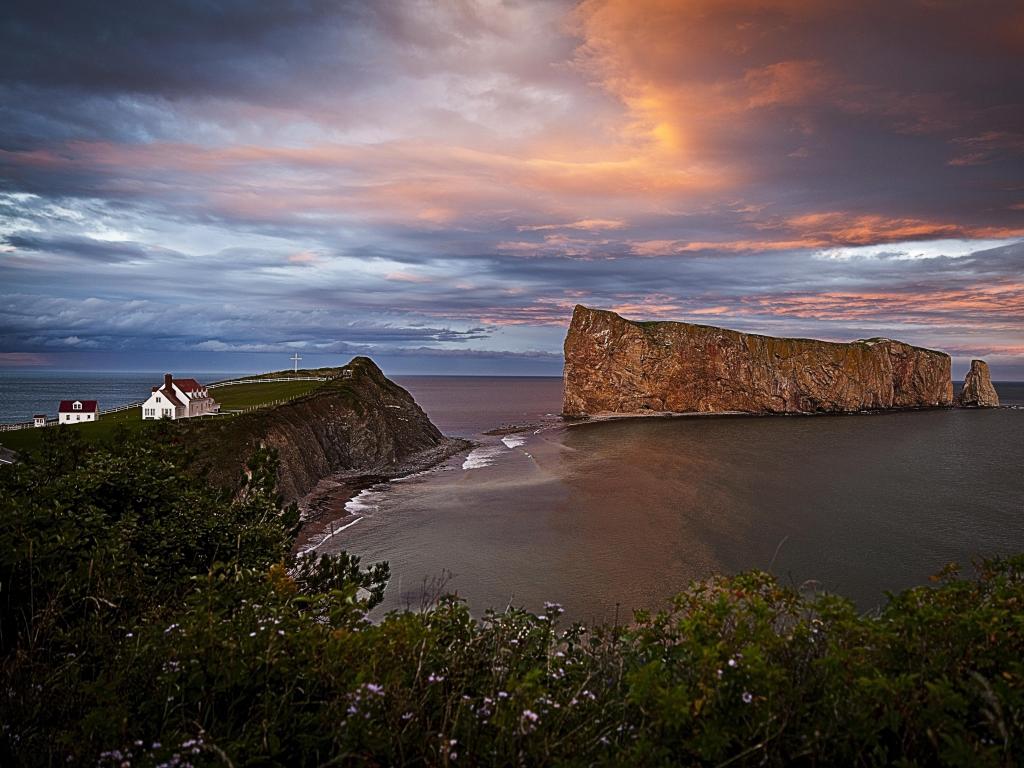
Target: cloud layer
[{"x": 429, "y": 180}]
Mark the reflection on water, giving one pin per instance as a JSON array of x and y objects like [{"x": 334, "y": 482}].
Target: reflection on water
[{"x": 629, "y": 512}]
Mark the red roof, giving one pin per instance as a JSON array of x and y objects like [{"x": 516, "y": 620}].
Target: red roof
[
  {"x": 88, "y": 406},
  {"x": 188, "y": 385},
  {"x": 169, "y": 394}
]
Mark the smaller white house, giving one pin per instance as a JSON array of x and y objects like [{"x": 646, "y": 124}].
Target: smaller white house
[
  {"x": 39, "y": 420},
  {"x": 179, "y": 399},
  {"x": 77, "y": 411}
]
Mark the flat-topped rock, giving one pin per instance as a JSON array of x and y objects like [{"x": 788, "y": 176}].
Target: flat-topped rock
[{"x": 616, "y": 366}]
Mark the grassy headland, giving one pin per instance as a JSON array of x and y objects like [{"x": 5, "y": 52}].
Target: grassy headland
[{"x": 231, "y": 397}]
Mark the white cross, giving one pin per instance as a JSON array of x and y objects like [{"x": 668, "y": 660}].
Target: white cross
[{"x": 296, "y": 358}]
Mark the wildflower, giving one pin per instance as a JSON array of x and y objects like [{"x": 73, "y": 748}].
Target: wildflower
[
  {"x": 432, "y": 678},
  {"x": 171, "y": 628},
  {"x": 732, "y": 662},
  {"x": 553, "y": 607},
  {"x": 502, "y": 694},
  {"x": 529, "y": 719},
  {"x": 373, "y": 688},
  {"x": 747, "y": 697},
  {"x": 252, "y": 634}
]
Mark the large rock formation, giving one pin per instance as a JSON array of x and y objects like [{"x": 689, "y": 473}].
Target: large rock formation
[
  {"x": 978, "y": 391},
  {"x": 615, "y": 366},
  {"x": 359, "y": 422}
]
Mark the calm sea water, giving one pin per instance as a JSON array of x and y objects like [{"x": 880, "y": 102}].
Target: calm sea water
[{"x": 615, "y": 516}]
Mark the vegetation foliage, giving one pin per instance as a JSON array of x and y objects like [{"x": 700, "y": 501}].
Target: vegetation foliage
[{"x": 149, "y": 618}]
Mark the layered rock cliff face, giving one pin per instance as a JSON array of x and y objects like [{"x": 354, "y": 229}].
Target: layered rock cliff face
[
  {"x": 365, "y": 424},
  {"x": 615, "y": 366},
  {"x": 978, "y": 391}
]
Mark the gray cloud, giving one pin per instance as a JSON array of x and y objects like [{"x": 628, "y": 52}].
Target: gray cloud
[{"x": 450, "y": 178}]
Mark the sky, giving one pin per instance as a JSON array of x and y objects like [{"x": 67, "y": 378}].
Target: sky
[{"x": 221, "y": 185}]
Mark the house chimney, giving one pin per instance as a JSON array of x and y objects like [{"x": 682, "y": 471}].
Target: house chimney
[
  {"x": 167, "y": 380},
  {"x": 155, "y": 389}
]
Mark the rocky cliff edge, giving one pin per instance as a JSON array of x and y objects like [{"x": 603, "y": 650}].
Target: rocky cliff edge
[{"x": 360, "y": 423}]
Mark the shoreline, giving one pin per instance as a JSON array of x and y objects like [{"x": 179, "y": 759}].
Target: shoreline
[
  {"x": 606, "y": 416},
  {"x": 323, "y": 510}
]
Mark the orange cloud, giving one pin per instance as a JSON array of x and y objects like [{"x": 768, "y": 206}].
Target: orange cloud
[{"x": 984, "y": 305}]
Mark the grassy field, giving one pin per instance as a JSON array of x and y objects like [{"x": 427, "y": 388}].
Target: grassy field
[
  {"x": 29, "y": 439},
  {"x": 238, "y": 396}
]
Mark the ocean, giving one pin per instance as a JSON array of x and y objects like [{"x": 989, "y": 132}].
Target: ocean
[{"x": 610, "y": 517}]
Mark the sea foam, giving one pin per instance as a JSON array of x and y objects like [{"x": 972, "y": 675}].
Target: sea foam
[
  {"x": 363, "y": 503},
  {"x": 479, "y": 458},
  {"x": 486, "y": 455}
]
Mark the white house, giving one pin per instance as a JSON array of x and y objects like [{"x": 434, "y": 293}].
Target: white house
[
  {"x": 178, "y": 399},
  {"x": 77, "y": 411},
  {"x": 39, "y": 420}
]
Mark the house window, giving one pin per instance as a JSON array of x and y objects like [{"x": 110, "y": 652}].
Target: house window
[
  {"x": 78, "y": 417},
  {"x": 158, "y": 399},
  {"x": 77, "y": 406}
]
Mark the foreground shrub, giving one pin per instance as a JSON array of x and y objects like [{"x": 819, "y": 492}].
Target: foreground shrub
[{"x": 148, "y": 619}]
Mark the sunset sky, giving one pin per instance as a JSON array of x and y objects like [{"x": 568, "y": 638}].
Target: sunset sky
[{"x": 214, "y": 186}]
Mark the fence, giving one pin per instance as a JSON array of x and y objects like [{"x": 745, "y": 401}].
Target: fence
[
  {"x": 53, "y": 422},
  {"x": 271, "y": 404},
  {"x": 118, "y": 409},
  {"x": 23, "y": 425},
  {"x": 264, "y": 381}
]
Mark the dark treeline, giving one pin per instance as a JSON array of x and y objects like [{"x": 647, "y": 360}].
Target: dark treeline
[{"x": 150, "y": 618}]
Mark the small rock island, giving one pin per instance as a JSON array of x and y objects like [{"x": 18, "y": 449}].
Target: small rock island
[
  {"x": 978, "y": 391},
  {"x": 615, "y": 366}
]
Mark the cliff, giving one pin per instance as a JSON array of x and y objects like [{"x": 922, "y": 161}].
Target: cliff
[
  {"x": 978, "y": 391},
  {"x": 365, "y": 424},
  {"x": 615, "y": 366}
]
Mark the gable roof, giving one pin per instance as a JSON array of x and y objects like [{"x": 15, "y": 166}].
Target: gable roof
[
  {"x": 68, "y": 406},
  {"x": 171, "y": 397},
  {"x": 188, "y": 385}
]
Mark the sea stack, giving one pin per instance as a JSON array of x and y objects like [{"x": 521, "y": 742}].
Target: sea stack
[
  {"x": 978, "y": 391},
  {"x": 614, "y": 366}
]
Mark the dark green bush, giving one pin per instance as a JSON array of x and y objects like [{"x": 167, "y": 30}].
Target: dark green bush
[{"x": 150, "y": 619}]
